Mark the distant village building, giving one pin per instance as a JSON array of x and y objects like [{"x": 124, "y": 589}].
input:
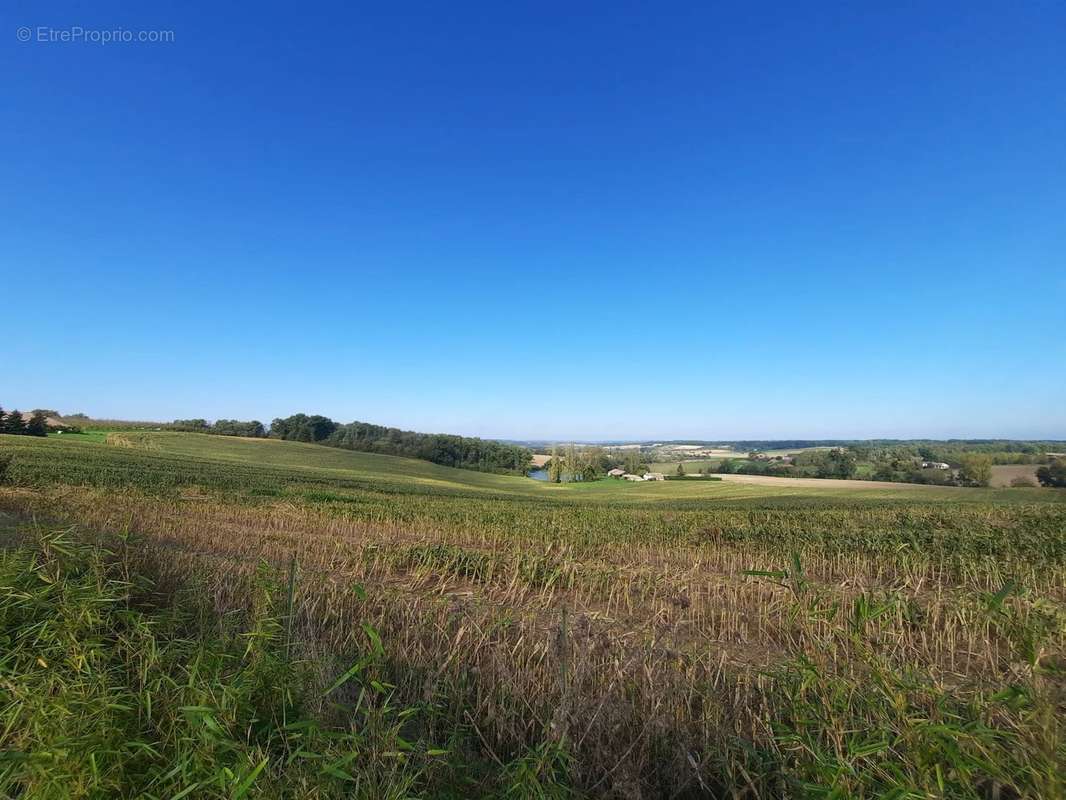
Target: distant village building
[
  {"x": 631, "y": 477},
  {"x": 616, "y": 473},
  {"x": 654, "y": 476},
  {"x": 935, "y": 465}
]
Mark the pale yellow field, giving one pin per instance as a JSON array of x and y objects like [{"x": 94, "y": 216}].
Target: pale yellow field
[{"x": 1003, "y": 474}]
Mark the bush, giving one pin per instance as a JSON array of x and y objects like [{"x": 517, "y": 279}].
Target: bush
[{"x": 1054, "y": 474}]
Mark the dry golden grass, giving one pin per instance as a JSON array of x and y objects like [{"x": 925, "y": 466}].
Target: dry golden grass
[{"x": 647, "y": 655}]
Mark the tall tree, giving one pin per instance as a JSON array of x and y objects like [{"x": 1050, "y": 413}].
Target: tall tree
[
  {"x": 38, "y": 425},
  {"x": 555, "y": 466},
  {"x": 573, "y": 467},
  {"x": 13, "y": 423},
  {"x": 681, "y": 469},
  {"x": 975, "y": 469}
]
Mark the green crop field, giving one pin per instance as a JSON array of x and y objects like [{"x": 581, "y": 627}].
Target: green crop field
[
  {"x": 168, "y": 459},
  {"x": 276, "y": 619}
]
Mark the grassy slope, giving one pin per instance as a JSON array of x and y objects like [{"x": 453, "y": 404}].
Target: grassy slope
[{"x": 189, "y": 458}]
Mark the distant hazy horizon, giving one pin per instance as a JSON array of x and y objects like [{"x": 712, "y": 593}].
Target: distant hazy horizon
[{"x": 538, "y": 439}]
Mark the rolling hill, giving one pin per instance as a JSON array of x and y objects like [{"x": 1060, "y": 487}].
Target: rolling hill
[{"x": 162, "y": 459}]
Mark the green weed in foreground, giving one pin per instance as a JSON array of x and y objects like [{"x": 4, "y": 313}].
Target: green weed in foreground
[
  {"x": 106, "y": 695},
  {"x": 864, "y": 721}
]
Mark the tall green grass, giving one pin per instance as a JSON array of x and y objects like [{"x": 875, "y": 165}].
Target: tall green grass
[{"x": 108, "y": 689}]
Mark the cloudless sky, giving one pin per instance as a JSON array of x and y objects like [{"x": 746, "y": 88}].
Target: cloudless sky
[{"x": 541, "y": 220}]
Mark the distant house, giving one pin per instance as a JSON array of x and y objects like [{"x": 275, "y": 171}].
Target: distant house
[
  {"x": 628, "y": 476},
  {"x": 935, "y": 465},
  {"x": 654, "y": 476},
  {"x": 615, "y": 473}
]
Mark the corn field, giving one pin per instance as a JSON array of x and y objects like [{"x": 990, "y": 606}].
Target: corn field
[{"x": 534, "y": 645}]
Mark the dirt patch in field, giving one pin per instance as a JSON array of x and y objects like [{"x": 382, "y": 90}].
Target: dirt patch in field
[
  {"x": 1003, "y": 474},
  {"x": 540, "y": 459}
]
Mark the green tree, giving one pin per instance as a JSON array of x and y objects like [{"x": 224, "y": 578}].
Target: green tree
[
  {"x": 573, "y": 466},
  {"x": 190, "y": 425},
  {"x": 13, "y": 423},
  {"x": 681, "y": 469},
  {"x": 975, "y": 469},
  {"x": 861, "y": 452},
  {"x": 38, "y": 425},
  {"x": 838, "y": 463},
  {"x": 1054, "y": 474},
  {"x": 555, "y": 466}
]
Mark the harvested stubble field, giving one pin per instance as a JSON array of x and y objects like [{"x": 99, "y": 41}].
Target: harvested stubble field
[{"x": 682, "y": 639}]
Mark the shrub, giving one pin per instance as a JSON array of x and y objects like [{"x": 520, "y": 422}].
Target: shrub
[{"x": 1054, "y": 474}]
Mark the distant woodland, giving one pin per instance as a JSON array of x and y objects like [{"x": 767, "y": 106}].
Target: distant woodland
[{"x": 440, "y": 448}]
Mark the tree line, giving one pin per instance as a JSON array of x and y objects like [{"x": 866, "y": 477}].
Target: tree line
[
  {"x": 221, "y": 427},
  {"x": 896, "y": 464},
  {"x": 449, "y": 450},
  {"x": 13, "y": 423},
  {"x": 589, "y": 463},
  {"x": 1002, "y": 451}
]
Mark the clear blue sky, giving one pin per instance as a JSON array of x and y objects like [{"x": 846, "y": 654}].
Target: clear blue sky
[{"x": 526, "y": 220}]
